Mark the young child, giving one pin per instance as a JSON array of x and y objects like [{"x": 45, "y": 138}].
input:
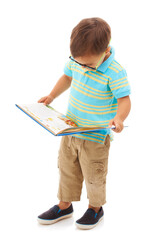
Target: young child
[{"x": 99, "y": 96}]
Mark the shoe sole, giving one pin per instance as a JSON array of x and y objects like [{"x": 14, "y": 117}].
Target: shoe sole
[
  {"x": 87, "y": 226},
  {"x": 48, "y": 222}
]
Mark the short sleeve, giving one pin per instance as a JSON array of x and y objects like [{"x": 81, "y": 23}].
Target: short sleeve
[
  {"x": 67, "y": 69},
  {"x": 119, "y": 84}
]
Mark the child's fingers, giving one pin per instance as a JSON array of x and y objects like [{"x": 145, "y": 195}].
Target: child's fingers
[
  {"x": 119, "y": 128},
  {"x": 110, "y": 123},
  {"x": 47, "y": 101},
  {"x": 41, "y": 100}
]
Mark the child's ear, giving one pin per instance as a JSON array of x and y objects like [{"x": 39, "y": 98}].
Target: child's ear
[{"x": 108, "y": 49}]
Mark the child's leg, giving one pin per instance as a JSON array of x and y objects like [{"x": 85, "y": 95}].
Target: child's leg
[
  {"x": 94, "y": 165},
  {"x": 63, "y": 205},
  {"x": 96, "y": 209},
  {"x": 71, "y": 178}
]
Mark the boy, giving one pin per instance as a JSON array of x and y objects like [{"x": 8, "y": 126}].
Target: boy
[{"x": 99, "y": 96}]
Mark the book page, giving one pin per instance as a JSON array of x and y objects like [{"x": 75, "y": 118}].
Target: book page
[
  {"x": 80, "y": 129},
  {"x": 48, "y": 116}
]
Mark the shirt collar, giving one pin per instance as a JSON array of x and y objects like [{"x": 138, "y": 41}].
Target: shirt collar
[{"x": 103, "y": 67}]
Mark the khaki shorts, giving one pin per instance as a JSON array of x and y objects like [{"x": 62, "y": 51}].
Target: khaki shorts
[{"x": 79, "y": 160}]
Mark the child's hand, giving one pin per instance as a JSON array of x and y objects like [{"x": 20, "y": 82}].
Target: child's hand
[
  {"x": 46, "y": 100},
  {"x": 118, "y": 123}
]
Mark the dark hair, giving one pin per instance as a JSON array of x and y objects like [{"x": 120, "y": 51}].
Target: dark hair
[{"x": 90, "y": 36}]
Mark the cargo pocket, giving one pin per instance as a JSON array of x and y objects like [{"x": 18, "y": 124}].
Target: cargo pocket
[
  {"x": 64, "y": 148},
  {"x": 99, "y": 162},
  {"x": 59, "y": 152},
  {"x": 107, "y": 141},
  {"x": 68, "y": 141},
  {"x": 58, "y": 162},
  {"x": 97, "y": 172}
]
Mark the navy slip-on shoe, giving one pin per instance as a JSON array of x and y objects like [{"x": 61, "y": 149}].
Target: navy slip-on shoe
[
  {"x": 90, "y": 219},
  {"x": 55, "y": 214}
]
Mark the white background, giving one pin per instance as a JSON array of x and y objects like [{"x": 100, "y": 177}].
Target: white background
[{"x": 34, "y": 46}]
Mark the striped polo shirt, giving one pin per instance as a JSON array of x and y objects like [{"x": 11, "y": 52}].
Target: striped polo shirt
[{"x": 93, "y": 95}]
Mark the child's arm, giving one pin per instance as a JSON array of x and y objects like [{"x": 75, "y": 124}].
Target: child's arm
[
  {"x": 63, "y": 84},
  {"x": 124, "y": 106}
]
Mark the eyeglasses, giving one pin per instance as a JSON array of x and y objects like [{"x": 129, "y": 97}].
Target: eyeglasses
[{"x": 84, "y": 65}]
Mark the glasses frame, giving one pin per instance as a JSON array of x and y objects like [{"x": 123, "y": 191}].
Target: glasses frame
[{"x": 84, "y": 65}]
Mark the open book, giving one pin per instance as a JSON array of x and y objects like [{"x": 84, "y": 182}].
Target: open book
[{"x": 54, "y": 121}]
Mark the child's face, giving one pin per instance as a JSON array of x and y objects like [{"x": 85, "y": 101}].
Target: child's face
[{"x": 93, "y": 61}]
